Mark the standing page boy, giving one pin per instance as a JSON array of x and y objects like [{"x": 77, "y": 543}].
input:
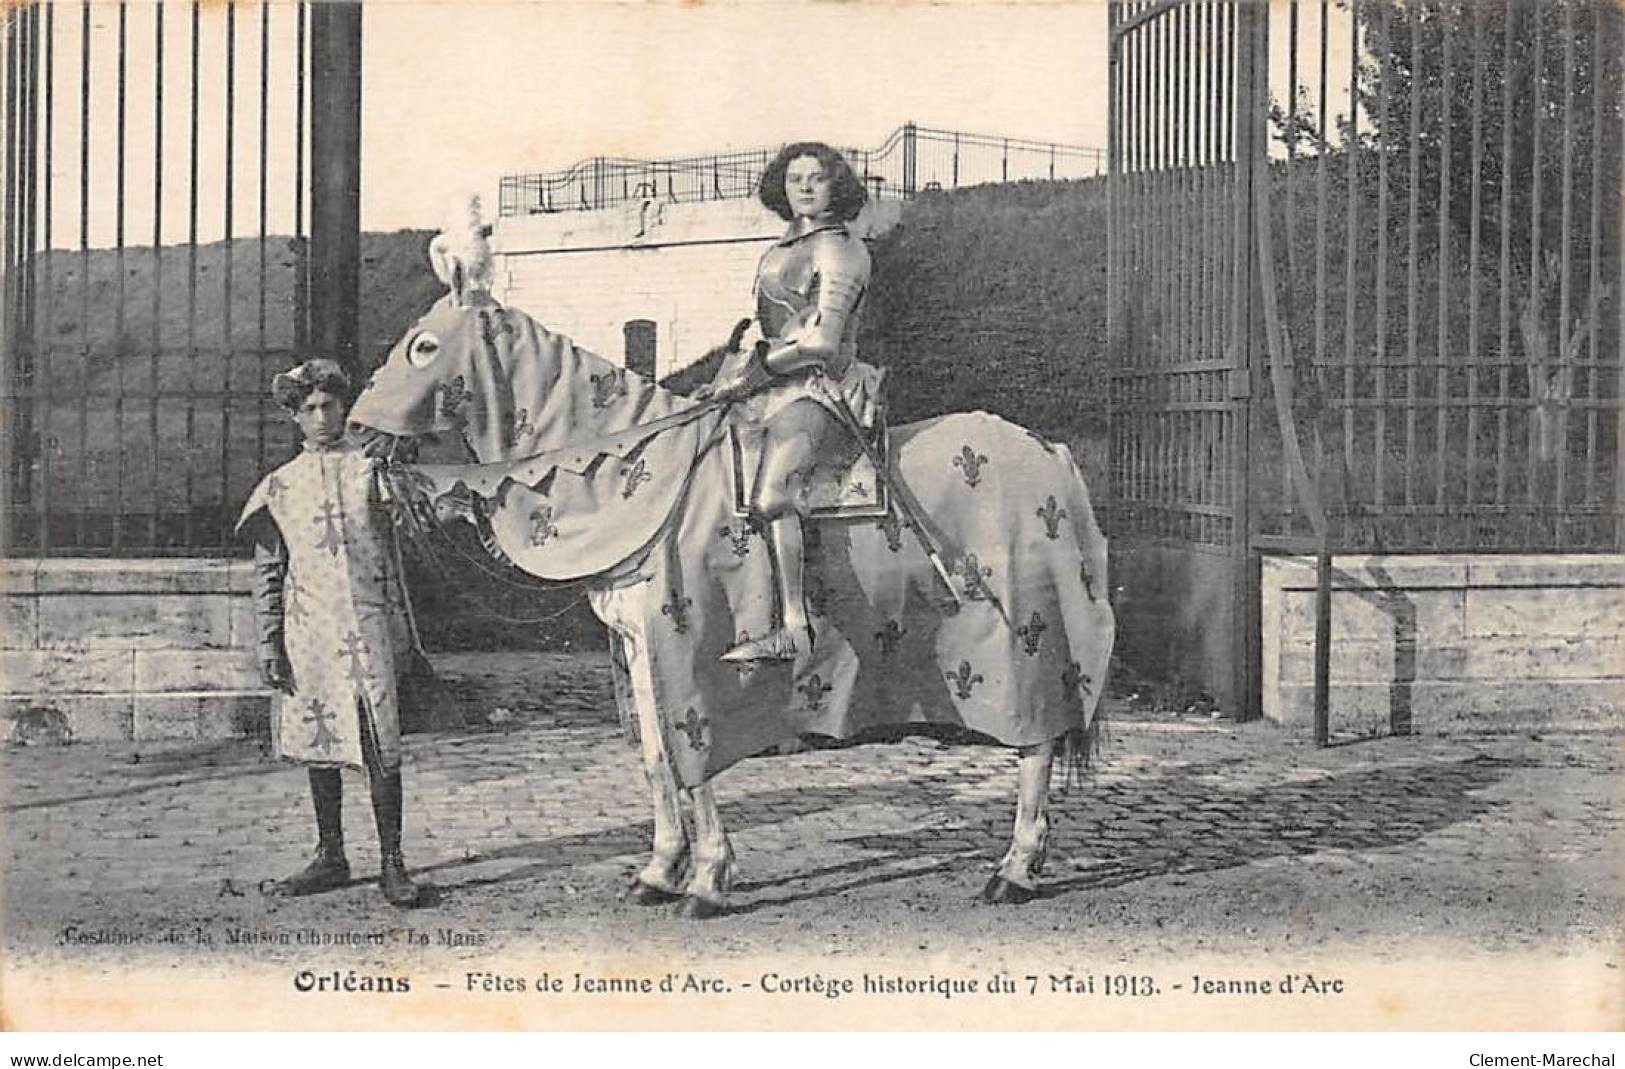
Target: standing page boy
[{"x": 325, "y": 593}]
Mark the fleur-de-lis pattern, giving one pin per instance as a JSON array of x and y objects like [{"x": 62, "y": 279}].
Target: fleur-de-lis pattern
[
  {"x": 975, "y": 577},
  {"x": 1052, "y": 515},
  {"x": 274, "y": 487},
  {"x": 1075, "y": 683},
  {"x": 964, "y": 679},
  {"x": 739, "y": 540},
  {"x": 542, "y": 526},
  {"x": 970, "y": 462},
  {"x": 888, "y": 638},
  {"x": 1032, "y": 633},
  {"x": 521, "y": 428},
  {"x": 676, "y": 609},
  {"x": 694, "y": 726},
  {"x": 494, "y": 323},
  {"x": 454, "y": 396},
  {"x": 892, "y": 528},
  {"x": 636, "y": 475},
  {"x": 813, "y": 689},
  {"x": 858, "y": 489},
  {"x": 607, "y": 387}
]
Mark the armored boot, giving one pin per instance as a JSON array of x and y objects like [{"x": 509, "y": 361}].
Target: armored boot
[
  {"x": 794, "y": 637},
  {"x": 329, "y": 869},
  {"x": 397, "y": 886}
]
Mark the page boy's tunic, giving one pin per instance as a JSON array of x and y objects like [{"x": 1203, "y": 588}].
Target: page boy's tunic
[{"x": 339, "y": 599}]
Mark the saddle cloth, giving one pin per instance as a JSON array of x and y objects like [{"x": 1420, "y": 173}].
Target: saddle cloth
[{"x": 845, "y": 484}]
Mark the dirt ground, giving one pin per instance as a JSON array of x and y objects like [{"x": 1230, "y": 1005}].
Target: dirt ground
[{"x": 1192, "y": 836}]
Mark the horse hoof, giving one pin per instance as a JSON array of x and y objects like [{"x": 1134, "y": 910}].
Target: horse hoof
[
  {"x": 1001, "y": 892},
  {"x": 643, "y": 894},
  {"x": 700, "y": 909}
]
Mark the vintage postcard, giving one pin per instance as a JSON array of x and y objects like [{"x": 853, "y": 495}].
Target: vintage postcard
[{"x": 874, "y": 516}]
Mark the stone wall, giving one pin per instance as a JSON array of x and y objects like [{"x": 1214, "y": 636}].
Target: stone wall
[
  {"x": 1449, "y": 640},
  {"x": 129, "y": 649}
]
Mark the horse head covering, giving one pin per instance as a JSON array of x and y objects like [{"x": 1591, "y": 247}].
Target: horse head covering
[{"x": 582, "y": 462}]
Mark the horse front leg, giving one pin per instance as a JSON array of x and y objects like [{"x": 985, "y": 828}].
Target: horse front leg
[
  {"x": 712, "y": 874},
  {"x": 1016, "y": 879},
  {"x": 661, "y": 880}
]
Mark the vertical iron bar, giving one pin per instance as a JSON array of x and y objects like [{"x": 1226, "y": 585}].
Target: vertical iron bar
[
  {"x": 1565, "y": 365},
  {"x": 1412, "y": 260},
  {"x": 227, "y": 244},
  {"x": 1114, "y": 236},
  {"x": 1323, "y": 150},
  {"x": 1441, "y": 387},
  {"x": 1473, "y": 296},
  {"x": 1350, "y": 251},
  {"x": 1594, "y": 286},
  {"x": 157, "y": 264},
  {"x": 118, "y": 313},
  {"x": 1384, "y": 134},
  {"x": 10, "y": 36},
  {"x": 1536, "y": 288},
  {"x": 191, "y": 292},
  {"x": 1504, "y": 339},
  {"x": 79, "y": 501},
  {"x": 264, "y": 195},
  {"x": 1619, "y": 333},
  {"x": 38, "y": 424},
  {"x": 1208, "y": 303},
  {"x": 301, "y": 267}
]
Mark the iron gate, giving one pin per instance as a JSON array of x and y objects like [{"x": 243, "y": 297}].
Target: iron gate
[
  {"x": 1364, "y": 297},
  {"x": 161, "y": 171}
]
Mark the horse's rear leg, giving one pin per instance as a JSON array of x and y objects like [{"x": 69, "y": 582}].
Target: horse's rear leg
[
  {"x": 712, "y": 874},
  {"x": 1016, "y": 879}
]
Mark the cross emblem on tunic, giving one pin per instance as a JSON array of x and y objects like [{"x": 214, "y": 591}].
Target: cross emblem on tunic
[
  {"x": 356, "y": 651},
  {"x": 332, "y": 524},
  {"x": 324, "y": 739}
]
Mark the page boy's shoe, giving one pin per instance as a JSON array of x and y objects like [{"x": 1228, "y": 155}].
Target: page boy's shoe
[
  {"x": 327, "y": 871},
  {"x": 397, "y": 886}
]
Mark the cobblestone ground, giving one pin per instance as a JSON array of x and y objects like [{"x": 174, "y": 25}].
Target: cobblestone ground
[{"x": 1192, "y": 836}]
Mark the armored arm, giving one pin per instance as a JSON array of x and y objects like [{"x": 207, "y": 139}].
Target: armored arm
[{"x": 842, "y": 266}]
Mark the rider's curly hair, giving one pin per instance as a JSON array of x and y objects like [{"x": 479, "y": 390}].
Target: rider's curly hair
[{"x": 846, "y": 193}]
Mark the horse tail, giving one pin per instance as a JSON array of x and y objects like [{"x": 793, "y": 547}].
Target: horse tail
[{"x": 1081, "y": 587}]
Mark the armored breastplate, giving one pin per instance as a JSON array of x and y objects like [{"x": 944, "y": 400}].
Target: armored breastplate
[{"x": 788, "y": 283}]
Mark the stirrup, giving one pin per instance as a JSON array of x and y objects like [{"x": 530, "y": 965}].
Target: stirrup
[{"x": 777, "y": 645}]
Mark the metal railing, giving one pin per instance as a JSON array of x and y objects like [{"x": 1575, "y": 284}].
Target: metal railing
[{"x": 913, "y": 159}]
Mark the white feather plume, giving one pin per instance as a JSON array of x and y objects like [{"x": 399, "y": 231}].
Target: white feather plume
[{"x": 461, "y": 252}]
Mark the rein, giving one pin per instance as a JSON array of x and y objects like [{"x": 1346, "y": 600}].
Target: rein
[{"x": 408, "y": 517}]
